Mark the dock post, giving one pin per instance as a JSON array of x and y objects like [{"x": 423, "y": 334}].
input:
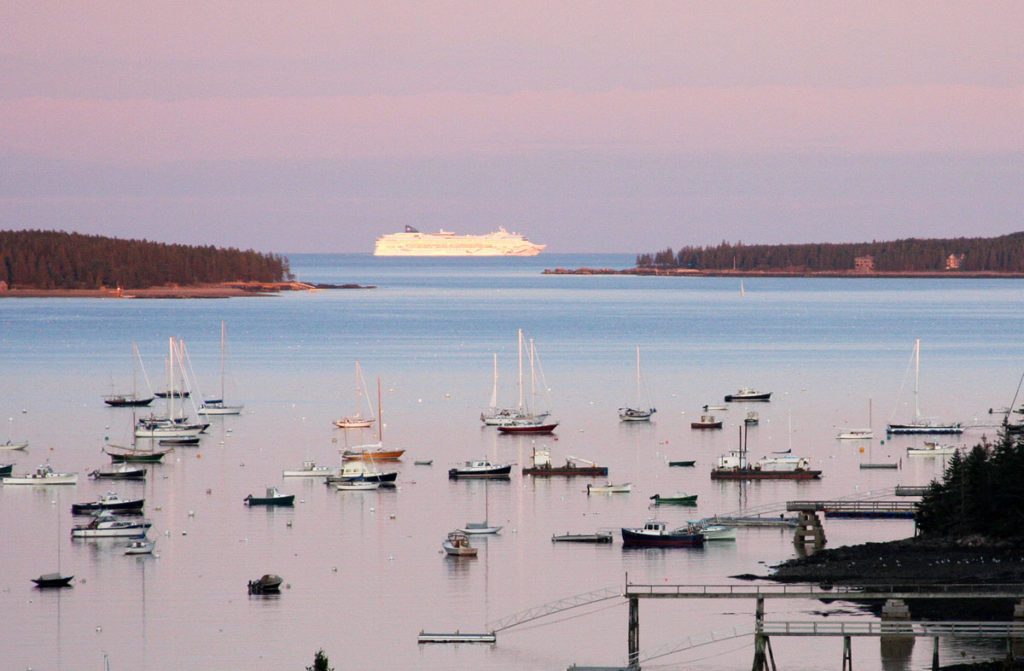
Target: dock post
[
  {"x": 634, "y": 633},
  {"x": 935, "y": 654},
  {"x": 894, "y": 642},
  {"x": 1017, "y": 647},
  {"x": 847, "y": 654},
  {"x": 760, "y": 660},
  {"x": 808, "y": 528}
]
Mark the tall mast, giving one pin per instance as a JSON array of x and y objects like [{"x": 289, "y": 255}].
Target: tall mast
[
  {"x": 533, "y": 376},
  {"x": 917, "y": 368},
  {"x": 222, "y": 329},
  {"x": 520, "y": 383},
  {"x": 639, "y": 401},
  {"x": 494, "y": 392}
]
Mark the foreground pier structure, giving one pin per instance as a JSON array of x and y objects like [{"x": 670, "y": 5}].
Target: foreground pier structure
[{"x": 896, "y": 624}]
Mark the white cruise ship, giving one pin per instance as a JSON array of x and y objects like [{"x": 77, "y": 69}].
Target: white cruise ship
[{"x": 446, "y": 243}]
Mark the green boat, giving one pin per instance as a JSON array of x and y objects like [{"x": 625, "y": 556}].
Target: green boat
[{"x": 675, "y": 499}]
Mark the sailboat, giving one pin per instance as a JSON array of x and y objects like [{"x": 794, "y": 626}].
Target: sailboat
[
  {"x": 56, "y": 579},
  {"x": 530, "y": 423},
  {"x": 216, "y": 406},
  {"x": 859, "y": 434},
  {"x": 133, "y": 454},
  {"x": 357, "y": 421},
  {"x": 12, "y": 444},
  {"x": 519, "y": 415},
  {"x": 171, "y": 425},
  {"x": 374, "y": 452},
  {"x": 922, "y": 424},
  {"x": 484, "y": 527},
  {"x": 132, "y": 399},
  {"x": 637, "y": 413}
]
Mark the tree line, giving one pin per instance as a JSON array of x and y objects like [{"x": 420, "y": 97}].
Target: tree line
[
  {"x": 999, "y": 254},
  {"x": 980, "y": 493},
  {"x": 59, "y": 260}
]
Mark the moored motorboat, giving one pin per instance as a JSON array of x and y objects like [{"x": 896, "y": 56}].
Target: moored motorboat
[
  {"x": 678, "y": 499},
  {"x": 610, "y": 488},
  {"x": 53, "y": 580},
  {"x": 268, "y": 583},
  {"x": 707, "y": 422},
  {"x": 856, "y": 434},
  {"x": 109, "y": 501},
  {"x": 596, "y": 537},
  {"x": 105, "y": 525},
  {"x": 309, "y": 470},
  {"x": 932, "y": 450},
  {"x": 272, "y": 497},
  {"x": 140, "y": 546},
  {"x": 356, "y": 486},
  {"x": 457, "y": 545},
  {"x": 748, "y": 394},
  {"x": 359, "y": 470},
  {"x": 480, "y": 468},
  {"x": 713, "y": 532},
  {"x": 6, "y": 470},
  {"x": 14, "y": 445},
  {"x": 752, "y": 419},
  {"x": 43, "y": 475},
  {"x": 122, "y": 472},
  {"x": 655, "y": 533},
  {"x": 684, "y": 462}
]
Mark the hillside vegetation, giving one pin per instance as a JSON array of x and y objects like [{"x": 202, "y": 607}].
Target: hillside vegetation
[
  {"x": 1000, "y": 254},
  {"x": 58, "y": 260}
]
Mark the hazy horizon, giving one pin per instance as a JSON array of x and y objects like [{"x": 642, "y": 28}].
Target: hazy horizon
[{"x": 584, "y": 127}]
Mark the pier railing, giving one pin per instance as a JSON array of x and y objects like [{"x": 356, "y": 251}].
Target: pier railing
[{"x": 806, "y": 591}]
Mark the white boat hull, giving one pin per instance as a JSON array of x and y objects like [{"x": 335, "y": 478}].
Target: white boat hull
[{"x": 59, "y": 479}]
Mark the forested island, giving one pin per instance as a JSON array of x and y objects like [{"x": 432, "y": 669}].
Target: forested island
[
  {"x": 1003, "y": 254},
  {"x": 970, "y": 528},
  {"x": 55, "y": 260}
]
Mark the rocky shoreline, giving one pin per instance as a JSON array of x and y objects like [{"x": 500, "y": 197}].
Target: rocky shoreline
[
  {"x": 795, "y": 272},
  {"x": 216, "y": 290},
  {"x": 916, "y": 562}
]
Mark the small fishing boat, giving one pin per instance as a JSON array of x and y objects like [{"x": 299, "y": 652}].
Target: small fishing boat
[
  {"x": 309, "y": 470},
  {"x": 932, "y": 450},
  {"x": 752, "y": 419},
  {"x": 707, "y": 422},
  {"x": 457, "y": 545},
  {"x": 109, "y": 501},
  {"x": 14, "y": 445},
  {"x": 609, "y": 488},
  {"x": 105, "y": 525},
  {"x": 141, "y": 546},
  {"x": 53, "y": 580},
  {"x": 43, "y": 475},
  {"x": 677, "y": 499},
  {"x": 596, "y": 537},
  {"x": 713, "y": 532},
  {"x": 656, "y": 534},
  {"x": 685, "y": 462},
  {"x": 362, "y": 471},
  {"x": 273, "y": 497},
  {"x": 122, "y": 472},
  {"x": 268, "y": 583},
  {"x": 748, "y": 394},
  {"x": 480, "y": 468},
  {"x": 184, "y": 441},
  {"x": 424, "y": 462},
  {"x": 357, "y": 486}
]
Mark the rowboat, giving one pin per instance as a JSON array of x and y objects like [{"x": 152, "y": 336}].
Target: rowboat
[
  {"x": 609, "y": 488},
  {"x": 678, "y": 499}
]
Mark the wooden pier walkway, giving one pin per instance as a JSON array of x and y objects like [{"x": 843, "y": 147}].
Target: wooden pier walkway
[{"x": 869, "y": 509}]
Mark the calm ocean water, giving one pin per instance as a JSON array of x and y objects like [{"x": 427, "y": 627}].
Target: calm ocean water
[{"x": 364, "y": 572}]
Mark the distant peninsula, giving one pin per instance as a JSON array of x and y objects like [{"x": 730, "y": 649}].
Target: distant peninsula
[
  {"x": 48, "y": 263},
  {"x": 1001, "y": 256}
]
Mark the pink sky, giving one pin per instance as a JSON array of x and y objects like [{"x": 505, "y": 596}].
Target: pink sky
[{"x": 597, "y": 126}]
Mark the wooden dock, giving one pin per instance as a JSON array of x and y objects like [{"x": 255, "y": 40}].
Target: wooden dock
[{"x": 863, "y": 509}]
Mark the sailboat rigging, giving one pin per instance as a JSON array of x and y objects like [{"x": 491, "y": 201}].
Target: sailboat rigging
[
  {"x": 357, "y": 421},
  {"x": 922, "y": 424},
  {"x": 216, "y": 406},
  {"x": 56, "y": 579},
  {"x": 484, "y": 527},
  {"x": 132, "y": 399},
  {"x": 374, "y": 452},
  {"x": 637, "y": 413}
]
